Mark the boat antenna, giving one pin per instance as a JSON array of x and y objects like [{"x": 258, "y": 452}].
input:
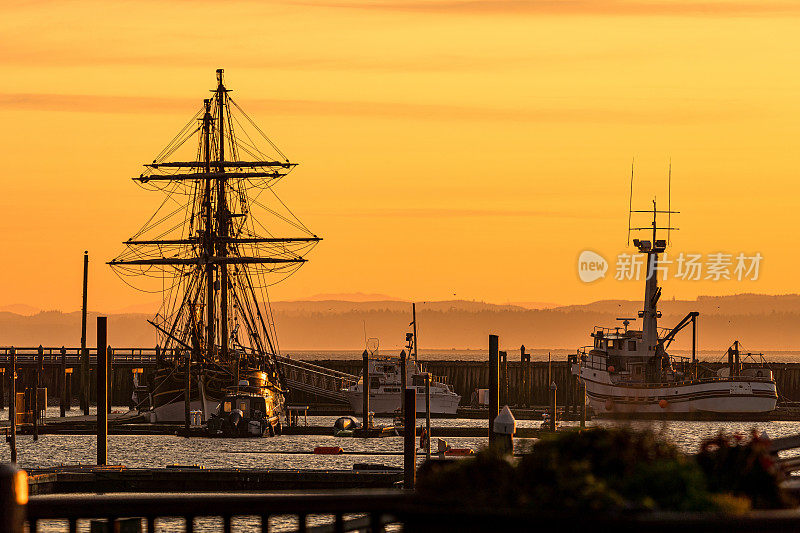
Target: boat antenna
[
  {"x": 669, "y": 200},
  {"x": 630, "y": 204},
  {"x": 365, "y": 334}
]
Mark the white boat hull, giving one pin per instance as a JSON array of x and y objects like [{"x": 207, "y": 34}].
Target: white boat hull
[
  {"x": 176, "y": 411},
  {"x": 388, "y": 403},
  {"x": 734, "y": 395}
]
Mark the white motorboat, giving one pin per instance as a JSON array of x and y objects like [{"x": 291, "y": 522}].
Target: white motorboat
[{"x": 385, "y": 389}]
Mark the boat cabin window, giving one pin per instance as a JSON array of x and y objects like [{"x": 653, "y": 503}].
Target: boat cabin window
[
  {"x": 258, "y": 404},
  {"x": 631, "y": 346},
  {"x": 598, "y": 343},
  {"x": 613, "y": 344},
  {"x": 374, "y": 383},
  {"x": 226, "y": 407},
  {"x": 243, "y": 406}
]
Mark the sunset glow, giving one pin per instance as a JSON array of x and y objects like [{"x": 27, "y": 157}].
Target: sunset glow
[{"x": 448, "y": 149}]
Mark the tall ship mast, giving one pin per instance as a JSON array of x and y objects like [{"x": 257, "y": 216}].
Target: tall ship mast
[{"x": 210, "y": 252}]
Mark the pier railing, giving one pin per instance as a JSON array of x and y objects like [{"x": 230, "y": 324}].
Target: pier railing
[{"x": 334, "y": 511}]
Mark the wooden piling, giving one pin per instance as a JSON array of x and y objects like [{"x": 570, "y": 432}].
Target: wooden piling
[
  {"x": 553, "y": 389},
  {"x": 582, "y": 388},
  {"x": 494, "y": 385},
  {"x": 63, "y": 399},
  {"x": 3, "y": 378},
  {"x": 102, "y": 391},
  {"x": 39, "y": 369},
  {"x": 365, "y": 389},
  {"x": 110, "y": 377},
  {"x": 403, "y": 384},
  {"x": 410, "y": 439},
  {"x": 12, "y": 405},
  {"x": 503, "y": 377},
  {"x": 84, "y": 392},
  {"x": 428, "y": 414},
  {"x": 187, "y": 390}
]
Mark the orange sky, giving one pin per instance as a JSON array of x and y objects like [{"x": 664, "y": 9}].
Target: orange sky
[{"x": 447, "y": 148}]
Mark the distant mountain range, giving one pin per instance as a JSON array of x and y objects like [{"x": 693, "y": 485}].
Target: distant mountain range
[{"x": 761, "y": 322}]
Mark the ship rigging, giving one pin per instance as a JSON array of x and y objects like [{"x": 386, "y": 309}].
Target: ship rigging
[{"x": 214, "y": 258}]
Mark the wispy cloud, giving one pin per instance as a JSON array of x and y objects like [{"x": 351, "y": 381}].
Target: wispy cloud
[
  {"x": 444, "y": 212},
  {"x": 579, "y": 7},
  {"x": 655, "y": 112}
]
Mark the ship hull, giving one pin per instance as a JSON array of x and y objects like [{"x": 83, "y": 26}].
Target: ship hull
[
  {"x": 387, "y": 403},
  {"x": 169, "y": 386},
  {"x": 719, "y": 396}
]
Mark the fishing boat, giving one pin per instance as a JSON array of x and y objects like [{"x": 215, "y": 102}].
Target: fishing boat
[
  {"x": 628, "y": 371},
  {"x": 211, "y": 254}
]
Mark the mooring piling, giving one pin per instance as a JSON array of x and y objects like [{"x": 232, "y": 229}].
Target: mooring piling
[
  {"x": 403, "y": 383},
  {"x": 494, "y": 384},
  {"x": 410, "y": 439},
  {"x": 84, "y": 393},
  {"x": 102, "y": 391},
  {"x": 582, "y": 389},
  {"x": 63, "y": 399},
  {"x": 428, "y": 415},
  {"x": 505, "y": 425},
  {"x": 39, "y": 370},
  {"x": 12, "y": 405},
  {"x": 187, "y": 390},
  {"x": 365, "y": 389},
  {"x": 503, "y": 377},
  {"x": 109, "y": 377},
  {"x": 553, "y": 389}
]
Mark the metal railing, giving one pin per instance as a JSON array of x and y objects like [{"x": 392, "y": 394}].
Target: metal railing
[
  {"x": 592, "y": 361},
  {"x": 331, "y": 510}
]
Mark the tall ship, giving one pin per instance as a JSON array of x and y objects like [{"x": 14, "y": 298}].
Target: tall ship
[
  {"x": 220, "y": 237},
  {"x": 627, "y": 371}
]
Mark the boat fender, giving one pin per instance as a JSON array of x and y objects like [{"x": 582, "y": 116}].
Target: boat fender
[
  {"x": 663, "y": 404},
  {"x": 609, "y": 405},
  {"x": 459, "y": 452},
  {"x": 328, "y": 450},
  {"x": 611, "y": 369},
  {"x": 423, "y": 439}
]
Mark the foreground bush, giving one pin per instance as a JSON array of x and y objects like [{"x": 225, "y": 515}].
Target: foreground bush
[{"x": 608, "y": 470}]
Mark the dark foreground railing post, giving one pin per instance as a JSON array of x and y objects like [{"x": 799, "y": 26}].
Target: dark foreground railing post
[
  {"x": 410, "y": 439},
  {"x": 553, "y": 389},
  {"x": 102, "y": 391},
  {"x": 13, "y": 497},
  {"x": 494, "y": 385}
]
